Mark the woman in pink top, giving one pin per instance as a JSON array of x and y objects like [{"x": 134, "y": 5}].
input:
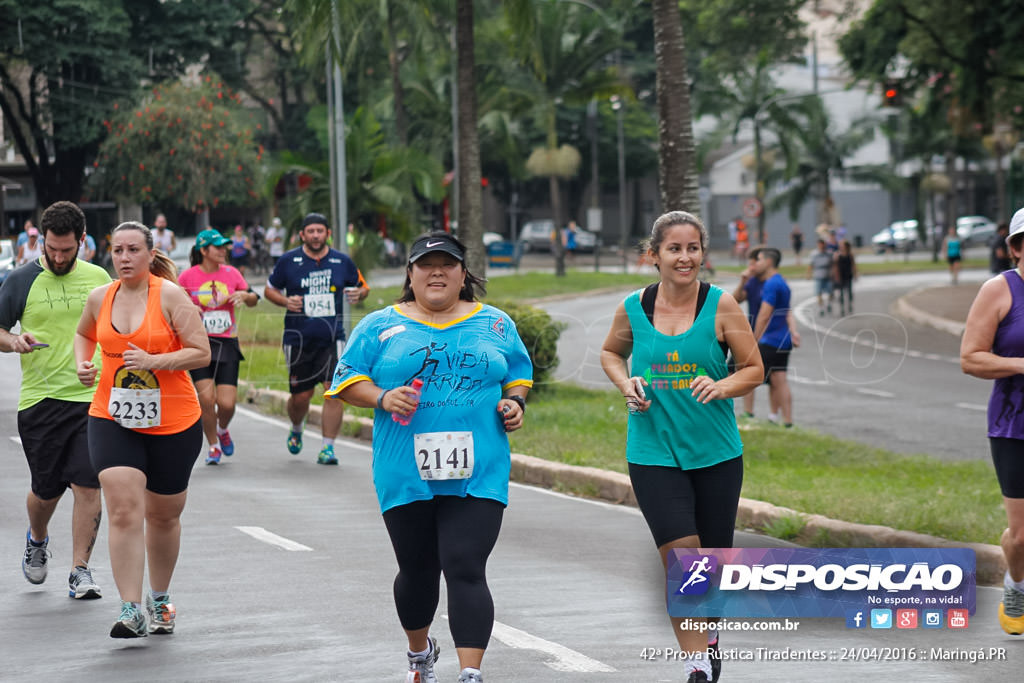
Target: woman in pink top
[{"x": 217, "y": 288}]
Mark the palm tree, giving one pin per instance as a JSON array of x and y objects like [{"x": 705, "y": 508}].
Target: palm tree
[
  {"x": 817, "y": 156},
  {"x": 562, "y": 47},
  {"x": 677, "y": 176}
]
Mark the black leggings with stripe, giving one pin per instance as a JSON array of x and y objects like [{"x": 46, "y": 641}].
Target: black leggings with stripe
[{"x": 452, "y": 535}]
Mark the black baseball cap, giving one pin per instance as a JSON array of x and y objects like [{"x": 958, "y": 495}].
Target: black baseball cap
[
  {"x": 315, "y": 219},
  {"x": 436, "y": 242}
]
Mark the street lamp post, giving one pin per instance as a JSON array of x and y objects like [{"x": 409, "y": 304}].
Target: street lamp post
[{"x": 617, "y": 105}]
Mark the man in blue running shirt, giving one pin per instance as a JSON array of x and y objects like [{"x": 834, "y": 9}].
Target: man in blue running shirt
[{"x": 775, "y": 332}]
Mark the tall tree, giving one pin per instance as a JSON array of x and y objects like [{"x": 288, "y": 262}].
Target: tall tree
[
  {"x": 63, "y": 65},
  {"x": 677, "y": 154},
  {"x": 470, "y": 197}
]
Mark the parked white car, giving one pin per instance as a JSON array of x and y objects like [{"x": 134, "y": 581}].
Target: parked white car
[
  {"x": 536, "y": 235},
  {"x": 975, "y": 230}
]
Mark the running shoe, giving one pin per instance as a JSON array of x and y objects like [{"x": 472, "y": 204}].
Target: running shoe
[
  {"x": 213, "y": 457},
  {"x": 81, "y": 586},
  {"x": 1011, "y": 611},
  {"x": 161, "y": 615},
  {"x": 468, "y": 675},
  {"x": 294, "y": 442},
  {"x": 326, "y": 456},
  {"x": 421, "y": 667},
  {"x": 131, "y": 624},
  {"x": 33, "y": 564},
  {"x": 227, "y": 446},
  {"x": 716, "y": 660},
  {"x": 697, "y": 677}
]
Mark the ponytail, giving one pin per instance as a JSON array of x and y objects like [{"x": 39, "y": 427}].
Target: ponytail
[{"x": 163, "y": 266}]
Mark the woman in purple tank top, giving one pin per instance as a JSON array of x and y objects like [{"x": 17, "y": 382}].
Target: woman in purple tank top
[{"x": 993, "y": 348}]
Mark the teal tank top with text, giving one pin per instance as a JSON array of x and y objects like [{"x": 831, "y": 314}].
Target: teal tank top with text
[{"x": 677, "y": 431}]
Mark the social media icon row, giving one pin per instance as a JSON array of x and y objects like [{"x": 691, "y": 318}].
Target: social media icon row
[{"x": 906, "y": 618}]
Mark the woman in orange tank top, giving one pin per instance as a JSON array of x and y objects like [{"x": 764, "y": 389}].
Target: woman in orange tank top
[{"x": 144, "y": 429}]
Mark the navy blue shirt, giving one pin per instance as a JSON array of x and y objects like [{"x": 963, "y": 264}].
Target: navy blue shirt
[{"x": 321, "y": 284}]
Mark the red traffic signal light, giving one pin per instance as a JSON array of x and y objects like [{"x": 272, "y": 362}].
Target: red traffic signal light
[{"x": 892, "y": 95}]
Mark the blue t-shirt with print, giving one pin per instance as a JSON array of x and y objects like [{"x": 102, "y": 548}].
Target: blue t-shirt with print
[
  {"x": 776, "y": 293},
  {"x": 465, "y": 366},
  {"x": 321, "y": 284}
]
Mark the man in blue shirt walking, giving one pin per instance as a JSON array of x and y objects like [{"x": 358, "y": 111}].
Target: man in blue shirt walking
[{"x": 775, "y": 332}]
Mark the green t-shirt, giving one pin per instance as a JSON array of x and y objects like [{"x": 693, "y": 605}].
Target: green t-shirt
[
  {"x": 49, "y": 306},
  {"x": 677, "y": 431}
]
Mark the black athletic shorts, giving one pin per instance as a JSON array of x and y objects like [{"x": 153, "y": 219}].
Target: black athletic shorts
[
  {"x": 678, "y": 503},
  {"x": 165, "y": 459},
  {"x": 773, "y": 359},
  {"x": 54, "y": 434},
  {"x": 310, "y": 365},
  {"x": 1008, "y": 457},
  {"x": 953, "y": 259},
  {"x": 225, "y": 355}
]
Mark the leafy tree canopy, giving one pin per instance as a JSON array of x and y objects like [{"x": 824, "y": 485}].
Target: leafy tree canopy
[{"x": 187, "y": 145}]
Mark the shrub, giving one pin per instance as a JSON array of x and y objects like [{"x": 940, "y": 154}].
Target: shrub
[{"x": 540, "y": 335}]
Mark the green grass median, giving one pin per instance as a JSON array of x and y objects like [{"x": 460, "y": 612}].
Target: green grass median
[{"x": 795, "y": 468}]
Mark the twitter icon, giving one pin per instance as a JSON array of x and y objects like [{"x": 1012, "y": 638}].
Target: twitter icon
[{"x": 881, "y": 618}]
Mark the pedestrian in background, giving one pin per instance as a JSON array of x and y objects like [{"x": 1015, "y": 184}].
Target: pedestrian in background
[
  {"x": 993, "y": 348},
  {"x": 846, "y": 273},
  {"x": 682, "y": 445},
  {"x": 776, "y": 334},
  {"x": 32, "y": 249},
  {"x": 240, "y": 249},
  {"x": 749, "y": 290},
  {"x": 217, "y": 289},
  {"x": 53, "y": 407},
  {"x": 441, "y": 466},
  {"x": 796, "y": 238},
  {"x": 999, "y": 253},
  {"x": 820, "y": 270},
  {"x": 163, "y": 237},
  {"x": 952, "y": 246},
  {"x": 144, "y": 426}
]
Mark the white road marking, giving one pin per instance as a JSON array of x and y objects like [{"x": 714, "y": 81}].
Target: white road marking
[
  {"x": 876, "y": 392},
  {"x": 565, "y": 660},
  {"x": 548, "y": 492},
  {"x": 261, "y": 534},
  {"x": 972, "y": 406},
  {"x": 16, "y": 439}
]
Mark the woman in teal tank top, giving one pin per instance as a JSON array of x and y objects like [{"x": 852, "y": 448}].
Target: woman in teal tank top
[{"x": 682, "y": 444}]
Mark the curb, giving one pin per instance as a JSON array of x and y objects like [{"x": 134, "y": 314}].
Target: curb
[
  {"x": 905, "y": 309},
  {"x": 615, "y": 487}
]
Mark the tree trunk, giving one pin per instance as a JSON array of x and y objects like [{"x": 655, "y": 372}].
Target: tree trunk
[
  {"x": 556, "y": 215},
  {"x": 677, "y": 176},
  {"x": 394, "y": 63},
  {"x": 470, "y": 199}
]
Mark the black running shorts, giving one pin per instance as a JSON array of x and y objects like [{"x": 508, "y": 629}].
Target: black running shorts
[
  {"x": 225, "y": 356},
  {"x": 165, "y": 459},
  {"x": 1008, "y": 458},
  {"x": 54, "y": 434},
  {"x": 310, "y": 365}
]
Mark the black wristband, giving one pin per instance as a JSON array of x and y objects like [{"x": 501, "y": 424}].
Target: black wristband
[
  {"x": 380, "y": 399},
  {"x": 520, "y": 400}
]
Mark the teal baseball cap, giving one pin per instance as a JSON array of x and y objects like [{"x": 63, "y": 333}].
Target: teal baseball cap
[{"x": 211, "y": 238}]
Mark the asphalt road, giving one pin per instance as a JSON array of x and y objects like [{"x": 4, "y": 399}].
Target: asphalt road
[{"x": 870, "y": 377}]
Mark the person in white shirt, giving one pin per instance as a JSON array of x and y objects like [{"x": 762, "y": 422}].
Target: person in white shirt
[{"x": 163, "y": 238}]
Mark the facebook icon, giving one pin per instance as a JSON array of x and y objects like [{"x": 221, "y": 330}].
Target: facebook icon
[{"x": 855, "y": 619}]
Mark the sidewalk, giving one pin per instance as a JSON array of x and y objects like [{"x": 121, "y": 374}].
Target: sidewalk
[{"x": 944, "y": 308}]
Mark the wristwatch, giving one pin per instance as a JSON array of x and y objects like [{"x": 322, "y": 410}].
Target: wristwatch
[{"x": 520, "y": 400}]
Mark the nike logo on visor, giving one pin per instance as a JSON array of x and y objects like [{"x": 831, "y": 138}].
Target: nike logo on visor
[{"x": 431, "y": 245}]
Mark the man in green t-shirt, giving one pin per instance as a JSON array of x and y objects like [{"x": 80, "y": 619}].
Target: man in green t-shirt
[{"x": 46, "y": 295}]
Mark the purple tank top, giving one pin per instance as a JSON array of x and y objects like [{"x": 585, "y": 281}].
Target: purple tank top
[{"x": 1006, "y": 405}]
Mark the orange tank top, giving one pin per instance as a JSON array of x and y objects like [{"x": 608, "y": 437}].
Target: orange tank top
[{"x": 151, "y": 401}]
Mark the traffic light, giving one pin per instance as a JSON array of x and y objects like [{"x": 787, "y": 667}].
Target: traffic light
[{"x": 892, "y": 93}]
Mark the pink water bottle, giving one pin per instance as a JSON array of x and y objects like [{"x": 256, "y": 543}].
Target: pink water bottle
[{"x": 403, "y": 420}]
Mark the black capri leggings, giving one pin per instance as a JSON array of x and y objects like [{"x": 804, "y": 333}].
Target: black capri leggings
[
  {"x": 454, "y": 535},
  {"x": 677, "y": 503},
  {"x": 165, "y": 459}
]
